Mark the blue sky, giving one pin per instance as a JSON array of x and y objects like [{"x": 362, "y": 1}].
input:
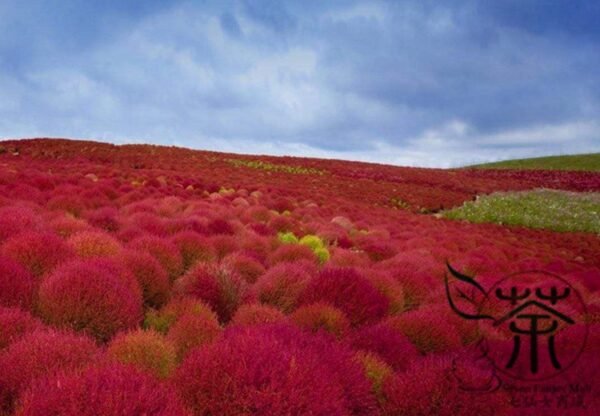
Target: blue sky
[{"x": 425, "y": 83}]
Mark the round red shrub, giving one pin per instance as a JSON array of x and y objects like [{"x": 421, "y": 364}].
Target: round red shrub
[
  {"x": 88, "y": 244},
  {"x": 376, "y": 370},
  {"x": 74, "y": 205},
  {"x": 148, "y": 351},
  {"x": 162, "y": 250},
  {"x": 108, "y": 390},
  {"x": 104, "y": 218},
  {"x": 193, "y": 248},
  {"x": 37, "y": 252},
  {"x": 65, "y": 225},
  {"x": 321, "y": 317},
  {"x": 38, "y": 354},
  {"x": 431, "y": 387},
  {"x": 274, "y": 370},
  {"x": 17, "y": 286},
  {"x": 281, "y": 223},
  {"x": 148, "y": 222},
  {"x": 223, "y": 245},
  {"x": 291, "y": 253},
  {"x": 388, "y": 287},
  {"x": 95, "y": 296},
  {"x": 389, "y": 344},
  {"x": 221, "y": 288},
  {"x": 346, "y": 289},
  {"x": 253, "y": 314},
  {"x": 220, "y": 226},
  {"x": 191, "y": 331},
  {"x": 16, "y": 219},
  {"x": 378, "y": 250},
  {"x": 245, "y": 265},
  {"x": 187, "y": 322},
  {"x": 14, "y": 323},
  {"x": 282, "y": 285},
  {"x": 151, "y": 276},
  {"x": 427, "y": 330},
  {"x": 341, "y": 257}
]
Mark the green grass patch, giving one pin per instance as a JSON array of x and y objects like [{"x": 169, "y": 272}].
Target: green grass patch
[
  {"x": 541, "y": 208},
  {"x": 272, "y": 167},
  {"x": 585, "y": 162}
]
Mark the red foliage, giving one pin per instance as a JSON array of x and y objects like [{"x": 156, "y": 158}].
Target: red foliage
[
  {"x": 194, "y": 223},
  {"x": 221, "y": 288},
  {"x": 14, "y": 323},
  {"x": 16, "y": 219},
  {"x": 38, "y": 354},
  {"x": 105, "y": 218},
  {"x": 348, "y": 290},
  {"x": 274, "y": 371},
  {"x": 389, "y": 344},
  {"x": 321, "y": 317},
  {"x": 151, "y": 276},
  {"x": 245, "y": 265},
  {"x": 37, "y": 252},
  {"x": 17, "y": 286},
  {"x": 162, "y": 250},
  {"x": 428, "y": 330},
  {"x": 291, "y": 253},
  {"x": 108, "y": 390},
  {"x": 87, "y": 244},
  {"x": 94, "y": 296},
  {"x": 187, "y": 322},
  {"x": 281, "y": 285},
  {"x": 430, "y": 387},
  {"x": 148, "y": 351},
  {"x": 254, "y": 314},
  {"x": 193, "y": 248}
]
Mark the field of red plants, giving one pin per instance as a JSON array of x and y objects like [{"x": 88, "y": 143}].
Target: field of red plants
[{"x": 146, "y": 280}]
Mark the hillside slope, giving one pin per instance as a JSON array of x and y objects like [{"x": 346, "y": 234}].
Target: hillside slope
[{"x": 581, "y": 162}]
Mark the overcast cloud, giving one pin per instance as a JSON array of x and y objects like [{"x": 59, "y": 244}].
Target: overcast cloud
[{"x": 426, "y": 83}]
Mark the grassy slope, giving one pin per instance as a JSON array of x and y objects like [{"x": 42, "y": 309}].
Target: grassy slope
[
  {"x": 549, "y": 209},
  {"x": 588, "y": 162}
]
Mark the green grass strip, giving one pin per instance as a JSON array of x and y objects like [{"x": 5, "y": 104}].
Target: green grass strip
[
  {"x": 585, "y": 162},
  {"x": 541, "y": 208}
]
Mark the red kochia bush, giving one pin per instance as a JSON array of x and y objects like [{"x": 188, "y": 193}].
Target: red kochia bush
[
  {"x": 427, "y": 329},
  {"x": 221, "y": 288},
  {"x": 245, "y": 265},
  {"x": 254, "y": 314},
  {"x": 88, "y": 244},
  {"x": 162, "y": 250},
  {"x": 96, "y": 296},
  {"x": 432, "y": 387},
  {"x": 38, "y": 354},
  {"x": 37, "y": 252},
  {"x": 104, "y": 218},
  {"x": 148, "y": 351},
  {"x": 193, "y": 248},
  {"x": 274, "y": 370},
  {"x": 291, "y": 253},
  {"x": 108, "y": 390},
  {"x": 187, "y": 322},
  {"x": 15, "y": 219},
  {"x": 349, "y": 291},
  {"x": 14, "y": 323},
  {"x": 281, "y": 285},
  {"x": 321, "y": 317},
  {"x": 151, "y": 276},
  {"x": 393, "y": 347},
  {"x": 16, "y": 284}
]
